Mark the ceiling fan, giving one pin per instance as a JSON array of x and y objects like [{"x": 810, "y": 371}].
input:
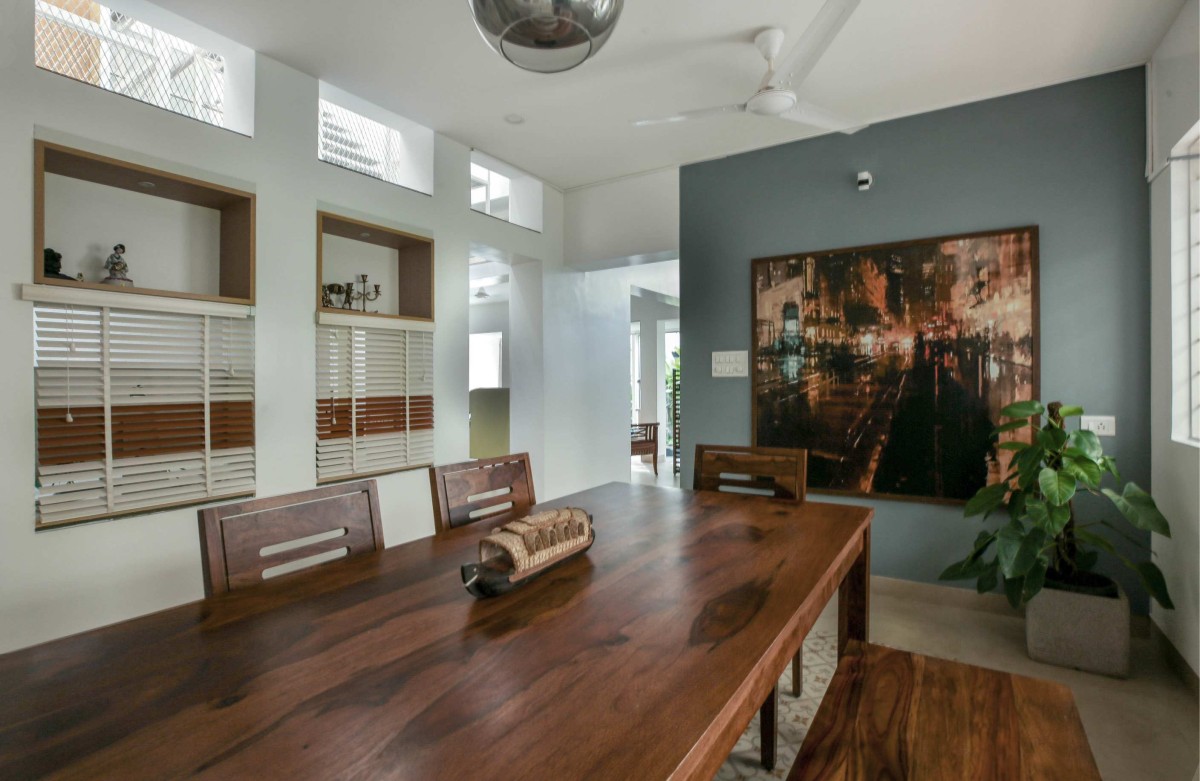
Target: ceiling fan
[{"x": 775, "y": 96}]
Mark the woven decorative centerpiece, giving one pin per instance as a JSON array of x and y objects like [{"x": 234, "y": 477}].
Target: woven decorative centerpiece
[{"x": 521, "y": 550}]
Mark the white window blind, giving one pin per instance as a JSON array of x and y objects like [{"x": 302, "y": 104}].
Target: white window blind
[
  {"x": 139, "y": 410},
  {"x": 374, "y": 400}
]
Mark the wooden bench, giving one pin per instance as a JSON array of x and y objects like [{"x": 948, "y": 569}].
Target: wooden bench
[
  {"x": 895, "y": 715},
  {"x": 643, "y": 441}
]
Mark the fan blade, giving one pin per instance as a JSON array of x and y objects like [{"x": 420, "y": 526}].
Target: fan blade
[
  {"x": 810, "y": 114},
  {"x": 795, "y": 66},
  {"x": 700, "y": 113}
]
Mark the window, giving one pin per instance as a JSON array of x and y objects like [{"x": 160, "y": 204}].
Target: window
[
  {"x": 504, "y": 192},
  {"x": 365, "y": 138},
  {"x": 140, "y": 410},
  {"x": 374, "y": 400},
  {"x": 486, "y": 361},
  {"x": 1186, "y": 284},
  {"x": 133, "y": 56},
  {"x": 489, "y": 192}
]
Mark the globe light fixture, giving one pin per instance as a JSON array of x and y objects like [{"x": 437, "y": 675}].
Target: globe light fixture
[{"x": 547, "y": 36}]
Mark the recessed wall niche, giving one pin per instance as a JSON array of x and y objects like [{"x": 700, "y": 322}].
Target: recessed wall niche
[
  {"x": 400, "y": 263},
  {"x": 184, "y": 238}
]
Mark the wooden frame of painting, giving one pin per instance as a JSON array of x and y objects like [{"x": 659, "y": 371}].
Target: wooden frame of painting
[{"x": 890, "y": 363}]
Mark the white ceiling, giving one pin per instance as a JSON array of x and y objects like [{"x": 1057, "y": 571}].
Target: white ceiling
[{"x": 893, "y": 58}]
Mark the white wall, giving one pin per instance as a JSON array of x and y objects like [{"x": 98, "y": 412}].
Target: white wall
[
  {"x": 493, "y": 318},
  {"x": 169, "y": 245},
  {"x": 1174, "y": 94},
  {"x": 587, "y": 375},
  {"x": 343, "y": 260},
  {"x": 635, "y": 217},
  {"x": 62, "y": 581}
]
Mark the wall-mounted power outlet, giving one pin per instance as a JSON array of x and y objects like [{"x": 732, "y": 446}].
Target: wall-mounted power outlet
[{"x": 1101, "y": 425}]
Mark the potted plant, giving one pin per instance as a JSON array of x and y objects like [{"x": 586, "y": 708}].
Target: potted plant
[{"x": 1044, "y": 556}]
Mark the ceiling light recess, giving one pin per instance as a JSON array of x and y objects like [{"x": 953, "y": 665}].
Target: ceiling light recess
[{"x": 546, "y": 36}]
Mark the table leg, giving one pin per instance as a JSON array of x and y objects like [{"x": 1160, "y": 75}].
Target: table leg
[
  {"x": 798, "y": 672},
  {"x": 768, "y": 727},
  {"x": 854, "y": 599}
]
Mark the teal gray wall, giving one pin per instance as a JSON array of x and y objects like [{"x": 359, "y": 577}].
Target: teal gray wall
[{"x": 1069, "y": 158}]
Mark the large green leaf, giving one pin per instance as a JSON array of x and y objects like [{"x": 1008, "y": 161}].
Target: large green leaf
[
  {"x": 1026, "y": 555},
  {"x": 1034, "y": 580},
  {"x": 1083, "y": 468},
  {"x": 1139, "y": 509},
  {"x": 1152, "y": 578},
  {"x": 1008, "y": 545},
  {"x": 1059, "y": 516},
  {"x": 1110, "y": 465},
  {"x": 1049, "y": 517},
  {"x": 1023, "y": 409},
  {"x": 1052, "y": 439},
  {"x": 1012, "y": 425},
  {"x": 1057, "y": 487},
  {"x": 1029, "y": 462},
  {"x": 1016, "y": 506},
  {"x": 987, "y": 499},
  {"x": 973, "y": 564},
  {"x": 1039, "y": 513},
  {"x": 1013, "y": 589},
  {"x": 1152, "y": 519},
  {"x": 1069, "y": 412},
  {"x": 1088, "y": 442},
  {"x": 1016, "y": 446},
  {"x": 988, "y": 579},
  {"x": 970, "y": 567}
]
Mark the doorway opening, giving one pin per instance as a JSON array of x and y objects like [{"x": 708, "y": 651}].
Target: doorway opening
[
  {"x": 653, "y": 366},
  {"x": 488, "y": 369}
]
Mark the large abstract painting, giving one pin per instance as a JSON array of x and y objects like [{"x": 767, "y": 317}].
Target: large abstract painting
[{"x": 891, "y": 363}]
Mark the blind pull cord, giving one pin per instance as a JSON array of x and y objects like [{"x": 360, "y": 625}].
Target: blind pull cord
[{"x": 70, "y": 355}]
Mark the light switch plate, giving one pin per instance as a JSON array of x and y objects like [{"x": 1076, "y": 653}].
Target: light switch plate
[
  {"x": 1101, "y": 425},
  {"x": 732, "y": 363}
]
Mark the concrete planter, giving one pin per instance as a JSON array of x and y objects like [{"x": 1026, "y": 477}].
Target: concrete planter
[{"x": 1078, "y": 630}]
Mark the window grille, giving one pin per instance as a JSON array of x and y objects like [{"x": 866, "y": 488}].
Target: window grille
[
  {"x": 354, "y": 142},
  {"x": 140, "y": 410},
  {"x": 374, "y": 400},
  {"x": 92, "y": 43}
]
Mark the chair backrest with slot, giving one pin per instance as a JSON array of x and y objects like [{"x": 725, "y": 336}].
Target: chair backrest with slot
[
  {"x": 774, "y": 471},
  {"x": 488, "y": 489},
  {"x": 243, "y": 544}
]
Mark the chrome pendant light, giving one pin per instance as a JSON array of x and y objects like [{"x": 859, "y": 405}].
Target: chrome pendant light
[{"x": 546, "y": 36}]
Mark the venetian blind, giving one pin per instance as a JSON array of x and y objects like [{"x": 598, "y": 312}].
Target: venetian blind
[
  {"x": 139, "y": 410},
  {"x": 374, "y": 400}
]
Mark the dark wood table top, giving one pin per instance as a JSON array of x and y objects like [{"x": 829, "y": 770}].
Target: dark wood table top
[{"x": 644, "y": 659}]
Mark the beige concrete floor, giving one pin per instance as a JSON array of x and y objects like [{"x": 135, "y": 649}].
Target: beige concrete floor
[{"x": 1145, "y": 728}]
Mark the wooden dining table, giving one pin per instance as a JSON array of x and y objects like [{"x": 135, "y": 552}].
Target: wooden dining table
[{"x": 646, "y": 658}]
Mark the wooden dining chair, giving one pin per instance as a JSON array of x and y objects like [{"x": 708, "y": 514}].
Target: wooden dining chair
[
  {"x": 243, "y": 544},
  {"x": 777, "y": 472},
  {"x": 487, "y": 489}
]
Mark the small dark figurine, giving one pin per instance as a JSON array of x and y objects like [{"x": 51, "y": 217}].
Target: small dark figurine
[
  {"x": 117, "y": 268},
  {"x": 327, "y": 296},
  {"x": 52, "y": 265},
  {"x": 348, "y": 301}
]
